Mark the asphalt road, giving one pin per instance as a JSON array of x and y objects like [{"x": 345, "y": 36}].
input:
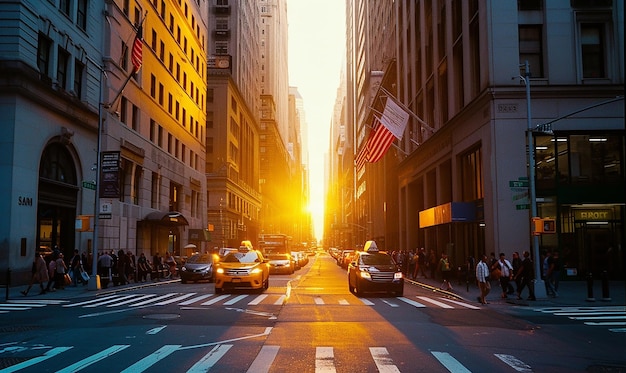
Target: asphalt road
[{"x": 305, "y": 322}]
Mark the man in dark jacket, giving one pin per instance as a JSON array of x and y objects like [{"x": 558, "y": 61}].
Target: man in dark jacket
[{"x": 526, "y": 274}]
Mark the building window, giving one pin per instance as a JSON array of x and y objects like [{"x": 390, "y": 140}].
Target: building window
[
  {"x": 65, "y": 6},
  {"x": 154, "y": 195},
  {"x": 62, "y": 65},
  {"x": 135, "y": 119},
  {"x": 592, "y": 49},
  {"x": 529, "y": 4},
  {"x": 531, "y": 48},
  {"x": 472, "y": 175},
  {"x": 124, "y": 57},
  {"x": 175, "y": 194},
  {"x": 81, "y": 14},
  {"x": 153, "y": 86},
  {"x": 79, "y": 69},
  {"x": 123, "y": 111},
  {"x": 43, "y": 54},
  {"x": 153, "y": 130}
]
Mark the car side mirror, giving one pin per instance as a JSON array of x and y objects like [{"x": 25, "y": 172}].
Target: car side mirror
[{"x": 353, "y": 264}]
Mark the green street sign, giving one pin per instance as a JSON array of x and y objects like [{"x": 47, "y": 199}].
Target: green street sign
[
  {"x": 89, "y": 185},
  {"x": 522, "y": 207},
  {"x": 518, "y": 184}
]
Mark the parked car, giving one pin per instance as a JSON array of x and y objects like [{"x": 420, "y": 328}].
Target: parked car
[
  {"x": 345, "y": 258},
  {"x": 373, "y": 271},
  {"x": 280, "y": 264},
  {"x": 198, "y": 267},
  {"x": 243, "y": 269}
]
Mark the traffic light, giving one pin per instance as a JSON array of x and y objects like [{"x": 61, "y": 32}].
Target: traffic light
[
  {"x": 543, "y": 225},
  {"x": 549, "y": 225}
]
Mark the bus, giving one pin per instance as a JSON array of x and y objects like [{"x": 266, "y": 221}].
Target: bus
[{"x": 275, "y": 244}]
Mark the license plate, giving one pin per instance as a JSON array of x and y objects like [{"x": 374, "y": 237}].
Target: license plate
[{"x": 236, "y": 280}]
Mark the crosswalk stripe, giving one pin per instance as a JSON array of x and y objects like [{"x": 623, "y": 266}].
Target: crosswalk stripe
[
  {"x": 264, "y": 359},
  {"x": 30, "y": 362},
  {"x": 235, "y": 300},
  {"x": 318, "y": 300},
  {"x": 280, "y": 300},
  {"x": 208, "y": 360},
  {"x": 391, "y": 304},
  {"x": 257, "y": 300},
  {"x": 14, "y": 308},
  {"x": 514, "y": 362},
  {"x": 95, "y": 300},
  {"x": 93, "y": 359},
  {"x": 411, "y": 302},
  {"x": 131, "y": 300},
  {"x": 324, "y": 360},
  {"x": 452, "y": 364},
  {"x": 215, "y": 300},
  {"x": 196, "y": 299},
  {"x": 435, "y": 302},
  {"x": 367, "y": 302},
  {"x": 467, "y": 305},
  {"x": 383, "y": 361},
  {"x": 154, "y": 299},
  {"x": 112, "y": 300},
  {"x": 344, "y": 302},
  {"x": 151, "y": 359},
  {"x": 173, "y": 300}
]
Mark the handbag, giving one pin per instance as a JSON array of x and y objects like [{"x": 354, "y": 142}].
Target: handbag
[
  {"x": 496, "y": 274},
  {"x": 84, "y": 274},
  {"x": 67, "y": 278}
]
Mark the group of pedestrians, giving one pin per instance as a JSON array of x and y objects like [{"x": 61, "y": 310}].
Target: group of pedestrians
[
  {"x": 519, "y": 271},
  {"x": 52, "y": 274}
]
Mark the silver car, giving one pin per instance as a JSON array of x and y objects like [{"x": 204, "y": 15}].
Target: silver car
[{"x": 199, "y": 267}]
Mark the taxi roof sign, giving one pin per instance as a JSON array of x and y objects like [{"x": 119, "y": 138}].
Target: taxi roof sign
[{"x": 370, "y": 247}]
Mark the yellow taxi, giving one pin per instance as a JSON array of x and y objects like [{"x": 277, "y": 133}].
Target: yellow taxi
[{"x": 245, "y": 268}]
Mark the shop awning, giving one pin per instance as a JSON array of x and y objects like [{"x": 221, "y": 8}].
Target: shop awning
[
  {"x": 166, "y": 218},
  {"x": 448, "y": 213}
]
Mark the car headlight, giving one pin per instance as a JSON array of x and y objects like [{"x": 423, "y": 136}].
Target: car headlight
[
  {"x": 220, "y": 270},
  {"x": 365, "y": 274},
  {"x": 397, "y": 275},
  {"x": 256, "y": 270},
  {"x": 183, "y": 268}
]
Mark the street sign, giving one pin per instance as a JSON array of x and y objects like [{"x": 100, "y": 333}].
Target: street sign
[
  {"x": 89, "y": 185},
  {"x": 518, "y": 183},
  {"x": 522, "y": 207}
]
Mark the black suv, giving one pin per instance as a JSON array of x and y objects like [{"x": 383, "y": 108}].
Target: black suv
[{"x": 374, "y": 271}]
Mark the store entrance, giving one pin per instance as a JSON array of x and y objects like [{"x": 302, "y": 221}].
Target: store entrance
[{"x": 600, "y": 251}]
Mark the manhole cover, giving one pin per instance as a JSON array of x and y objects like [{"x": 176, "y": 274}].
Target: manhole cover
[{"x": 162, "y": 316}]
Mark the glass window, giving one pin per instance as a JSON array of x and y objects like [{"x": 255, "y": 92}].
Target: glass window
[
  {"x": 592, "y": 45},
  {"x": 545, "y": 161},
  {"x": 531, "y": 48},
  {"x": 63, "y": 62}
]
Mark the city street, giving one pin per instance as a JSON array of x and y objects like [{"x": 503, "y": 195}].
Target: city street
[{"x": 305, "y": 322}]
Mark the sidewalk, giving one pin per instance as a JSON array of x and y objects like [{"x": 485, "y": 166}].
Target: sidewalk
[{"x": 571, "y": 293}]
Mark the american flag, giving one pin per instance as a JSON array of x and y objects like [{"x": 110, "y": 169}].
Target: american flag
[
  {"x": 136, "y": 57},
  {"x": 379, "y": 141}
]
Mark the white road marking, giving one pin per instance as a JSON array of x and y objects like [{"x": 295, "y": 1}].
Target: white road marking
[
  {"x": 264, "y": 359},
  {"x": 324, "y": 360},
  {"x": 449, "y": 362},
  {"x": 208, "y": 360},
  {"x": 514, "y": 362},
  {"x": 382, "y": 360},
  {"x": 84, "y": 363}
]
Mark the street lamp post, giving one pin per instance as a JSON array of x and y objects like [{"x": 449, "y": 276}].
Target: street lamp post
[{"x": 540, "y": 289}]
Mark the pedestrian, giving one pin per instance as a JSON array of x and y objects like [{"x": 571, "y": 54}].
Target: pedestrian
[
  {"x": 526, "y": 274},
  {"x": 39, "y": 274},
  {"x": 59, "y": 273},
  {"x": 156, "y": 265},
  {"x": 482, "y": 277},
  {"x": 415, "y": 259},
  {"x": 52, "y": 270},
  {"x": 553, "y": 273},
  {"x": 122, "y": 263},
  {"x": 506, "y": 274},
  {"x": 131, "y": 266},
  {"x": 444, "y": 268},
  {"x": 142, "y": 268},
  {"x": 422, "y": 263},
  {"x": 171, "y": 263},
  {"x": 104, "y": 265},
  {"x": 545, "y": 266},
  {"x": 76, "y": 265}
]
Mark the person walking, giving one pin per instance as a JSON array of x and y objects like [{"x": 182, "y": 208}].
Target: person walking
[
  {"x": 516, "y": 262},
  {"x": 76, "y": 266},
  {"x": 39, "y": 274},
  {"x": 506, "y": 274},
  {"x": 52, "y": 270},
  {"x": 444, "y": 268},
  {"x": 59, "y": 273},
  {"x": 156, "y": 265},
  {"x": 526, "y": 274},
  {"x": 553, "y": 273},
  {"x": 142, "y": 268},
  {"x": 482, "y": 277},
  {"x": 422, "y": 263},
  {"x": 104, "y": 265},
  {"x": 122, "y": 264}
]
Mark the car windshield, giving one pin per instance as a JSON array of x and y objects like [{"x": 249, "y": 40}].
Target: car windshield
[
  {"x": 376, "y": 259},
  {"x": 201, "y": 259},
  {"x": 242, "y": 257}
]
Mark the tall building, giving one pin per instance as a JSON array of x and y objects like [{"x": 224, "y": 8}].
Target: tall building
[
  {"x": 153, "y": 128},
  {"x": 467, "y": 183},
  {"x": 49, "y": 98},
  {"x": 79, "y": 83},
  {"x": 233, "y": 133}
]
